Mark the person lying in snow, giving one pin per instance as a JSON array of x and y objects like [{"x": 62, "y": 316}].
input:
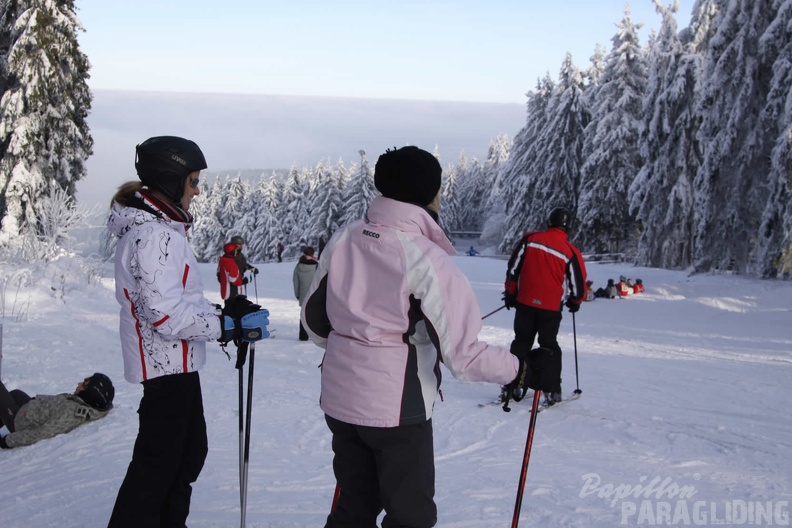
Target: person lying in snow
[{"x": 29, "y": 420}]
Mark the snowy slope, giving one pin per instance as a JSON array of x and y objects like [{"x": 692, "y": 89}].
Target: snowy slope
[{"x": 683, "y": 419}]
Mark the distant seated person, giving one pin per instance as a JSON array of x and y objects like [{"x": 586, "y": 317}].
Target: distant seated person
[
  {"x": 608, "y": 292},
  {"x": 639, "y": 287},
  {"x": 472, "y": 252},
  {"x": 622, "y": 287},
  {"x": 29, "y": 420},
  {"x": 589, "y": 291}
]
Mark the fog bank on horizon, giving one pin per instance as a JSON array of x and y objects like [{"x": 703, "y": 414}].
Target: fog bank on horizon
[{"x": 266, "y": 132}]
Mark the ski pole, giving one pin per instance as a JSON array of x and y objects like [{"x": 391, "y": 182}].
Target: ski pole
[
  {"x": 526, "y": 458},
  {"x": 493, "y": 311},
  {"x": 255, "y": 286},
  {"x": 247, "y": 433},
  {"x": 574, "y": 338},
  {"x": 241, "y": 431}
]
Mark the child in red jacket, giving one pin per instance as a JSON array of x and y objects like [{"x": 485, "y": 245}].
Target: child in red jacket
[{"x": 228, "y": 272}]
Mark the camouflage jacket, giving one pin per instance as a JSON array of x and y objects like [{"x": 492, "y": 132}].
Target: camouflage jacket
[{"x": 46, "y": 416}]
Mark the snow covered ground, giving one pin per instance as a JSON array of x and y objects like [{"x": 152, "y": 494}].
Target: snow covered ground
[{"x": 684, "y": 417}]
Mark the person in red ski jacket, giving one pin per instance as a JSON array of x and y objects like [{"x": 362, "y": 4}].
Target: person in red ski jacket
[
  {"x": 543, "y": 267},
  {"x": 589, "y": 291},
  {"x": 639, "y": 287},
  {"x": 228, "y": 272},
  {"x": 622, "y": 287}
]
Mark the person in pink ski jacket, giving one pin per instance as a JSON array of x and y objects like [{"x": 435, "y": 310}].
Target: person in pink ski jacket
[{"x": 389, "y": 306}]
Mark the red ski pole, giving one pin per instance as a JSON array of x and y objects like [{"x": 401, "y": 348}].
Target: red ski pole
[
  {"x": 526, "y": 458},
  {"x": 336, "y": 493}
]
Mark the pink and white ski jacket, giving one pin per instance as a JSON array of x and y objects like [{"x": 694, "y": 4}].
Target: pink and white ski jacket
[
  {"x": 388, "y": 304},
  {"x": 165, "y": 319}
]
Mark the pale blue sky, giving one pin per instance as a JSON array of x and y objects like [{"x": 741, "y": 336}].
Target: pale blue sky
[{"x": 453, "y": 50}]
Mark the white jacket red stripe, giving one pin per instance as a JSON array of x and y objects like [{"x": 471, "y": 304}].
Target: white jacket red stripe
[
  {"x": 388, "y": 304},
  {"x": 165, "y": 319}
]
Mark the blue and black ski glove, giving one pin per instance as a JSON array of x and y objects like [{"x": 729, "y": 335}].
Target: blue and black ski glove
[
  {"x": 241, "y": 320},
  {"x": 254, "y": 326}
]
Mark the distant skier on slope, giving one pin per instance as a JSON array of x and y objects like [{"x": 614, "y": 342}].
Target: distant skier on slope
[{"x": 543, "y": 267}]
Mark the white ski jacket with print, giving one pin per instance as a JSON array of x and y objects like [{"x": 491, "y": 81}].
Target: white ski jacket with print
[{"x": 165, "y": 318}]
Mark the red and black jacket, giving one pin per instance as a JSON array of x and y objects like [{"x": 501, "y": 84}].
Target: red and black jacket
[{"x": 542, "y": 267}]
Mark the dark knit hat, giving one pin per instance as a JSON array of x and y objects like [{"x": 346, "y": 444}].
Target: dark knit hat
[
  {"x": 99, "y": 393},
  {"x": 408, "y": 174}
]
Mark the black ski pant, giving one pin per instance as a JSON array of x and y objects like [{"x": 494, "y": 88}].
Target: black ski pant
[
  {"x": 530, "y": 322},
  {"x": 169, "y": 454},
  {"x": 390, "y": 468},
  {"x": 10, "y": 402}
]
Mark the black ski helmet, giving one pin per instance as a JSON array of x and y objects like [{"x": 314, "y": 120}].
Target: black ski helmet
[
  {"x": 559, "y": 217},
  {"x": 164, "y": 162},
  {"x": 99, "y": 392},
  {"x": 237, "y": 239}
]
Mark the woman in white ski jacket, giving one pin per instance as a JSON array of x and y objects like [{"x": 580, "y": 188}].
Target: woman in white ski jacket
[
  {"x": 389, "y": 305},
  {"x": 165, "y": 323}
]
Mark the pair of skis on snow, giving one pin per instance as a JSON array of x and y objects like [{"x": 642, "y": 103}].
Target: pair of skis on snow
[{"x": 543, "y": 404}]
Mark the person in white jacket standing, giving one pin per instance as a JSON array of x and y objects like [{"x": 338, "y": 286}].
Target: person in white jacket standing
[
  {"x": 389, "y": 305},
  {"x": 165, "y": 322}
]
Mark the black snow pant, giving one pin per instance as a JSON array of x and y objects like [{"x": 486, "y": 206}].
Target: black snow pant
[
  {"x": 10, "y": 402},
  {"x": 169, "y": 454},
  {"x": 530, "y": 321},
  {"x": 390, "y": 468}
]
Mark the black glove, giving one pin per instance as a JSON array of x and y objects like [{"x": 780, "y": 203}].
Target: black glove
[
  {"x": 254, "y": 270},
  {"x": 245, "y": 280},
  {"x": 239, "y": 306},
  {"x": 540, "y": 369},
  {"x": 572, "y": 305},
  {"x": 510, "y": 300},
  {"x": 3, "y": 444}
]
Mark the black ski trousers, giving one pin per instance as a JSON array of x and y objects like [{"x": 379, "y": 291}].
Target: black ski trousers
[
  {"x": 390, "y": 468},
  {"x": 169, "y": 454},
  {"x": 10, "y": 402},
  {"x": 530, "y": 321}
]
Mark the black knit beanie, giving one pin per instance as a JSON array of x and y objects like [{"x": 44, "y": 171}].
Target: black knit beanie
[{"x": 408, "y": 174}]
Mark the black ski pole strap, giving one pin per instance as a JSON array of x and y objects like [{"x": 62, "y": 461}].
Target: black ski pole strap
[
  {"x": 242, "y": 349},
  {"x": 508, "y": 397}
]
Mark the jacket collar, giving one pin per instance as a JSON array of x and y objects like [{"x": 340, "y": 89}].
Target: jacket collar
[{"x": 408, "y": 218}]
